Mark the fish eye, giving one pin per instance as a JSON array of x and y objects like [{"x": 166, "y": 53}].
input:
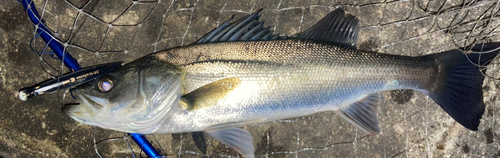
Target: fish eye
[{"x": 105, "y": 84}]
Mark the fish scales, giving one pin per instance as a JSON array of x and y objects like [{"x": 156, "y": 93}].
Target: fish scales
[
  {"x": 289, "y": 78},
  {"x": 342, "y": 63}
]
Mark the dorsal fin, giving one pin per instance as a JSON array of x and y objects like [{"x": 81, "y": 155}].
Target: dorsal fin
[
  {"x": 247, "y": 28},
  {"x": 337, "y": 27}
]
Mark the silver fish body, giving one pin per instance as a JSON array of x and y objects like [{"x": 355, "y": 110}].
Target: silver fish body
[{"x": 286, "y": 78}]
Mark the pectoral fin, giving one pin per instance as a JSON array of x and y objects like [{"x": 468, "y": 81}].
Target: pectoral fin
[
  {"x": 209, "y": 94},
  {"x": 236, "y": 138},
  {"x": 363, "y": 114},
  {"x": 200, "y": 141}
]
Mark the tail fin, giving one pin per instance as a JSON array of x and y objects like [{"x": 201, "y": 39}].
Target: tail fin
[{"x": 459, "y": 87}]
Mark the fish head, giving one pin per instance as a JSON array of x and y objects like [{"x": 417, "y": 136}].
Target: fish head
[{"x": 133, "y": 98}]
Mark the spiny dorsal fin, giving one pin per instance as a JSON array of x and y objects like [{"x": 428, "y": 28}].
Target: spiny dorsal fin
[
  {"x": 209, "y": 94},
  {"x": 363, "y": 114},
  {"x": 337, "y": 27},
  {"x": 247, "y": 28}
]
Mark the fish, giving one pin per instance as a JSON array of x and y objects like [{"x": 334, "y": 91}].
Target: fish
[{"x": 243, "y": 73}]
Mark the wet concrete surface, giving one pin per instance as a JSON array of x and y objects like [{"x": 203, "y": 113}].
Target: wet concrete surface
[{"x": 412, "y": 124}]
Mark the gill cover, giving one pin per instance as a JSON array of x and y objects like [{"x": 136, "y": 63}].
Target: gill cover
[{"x": 141, "y": 95}]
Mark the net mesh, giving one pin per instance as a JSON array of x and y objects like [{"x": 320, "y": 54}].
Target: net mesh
[{"x": 96, "y": 32}]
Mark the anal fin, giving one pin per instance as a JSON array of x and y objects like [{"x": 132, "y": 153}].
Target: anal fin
[{"x": 363, "y": 114}]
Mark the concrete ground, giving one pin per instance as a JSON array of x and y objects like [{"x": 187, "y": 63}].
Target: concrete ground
[{"x": 412, "y": 124}]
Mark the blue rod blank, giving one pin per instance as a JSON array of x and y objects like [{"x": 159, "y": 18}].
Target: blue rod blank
[
  {"x": 47, "y": 36},
  {"x": 145, "y": 145}
]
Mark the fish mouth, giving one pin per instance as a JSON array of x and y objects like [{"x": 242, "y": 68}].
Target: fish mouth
[
  {"x": 76, "y": 111},
  {"x": 91, "y": 110},
  {"x": 85, "y": 107}
]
